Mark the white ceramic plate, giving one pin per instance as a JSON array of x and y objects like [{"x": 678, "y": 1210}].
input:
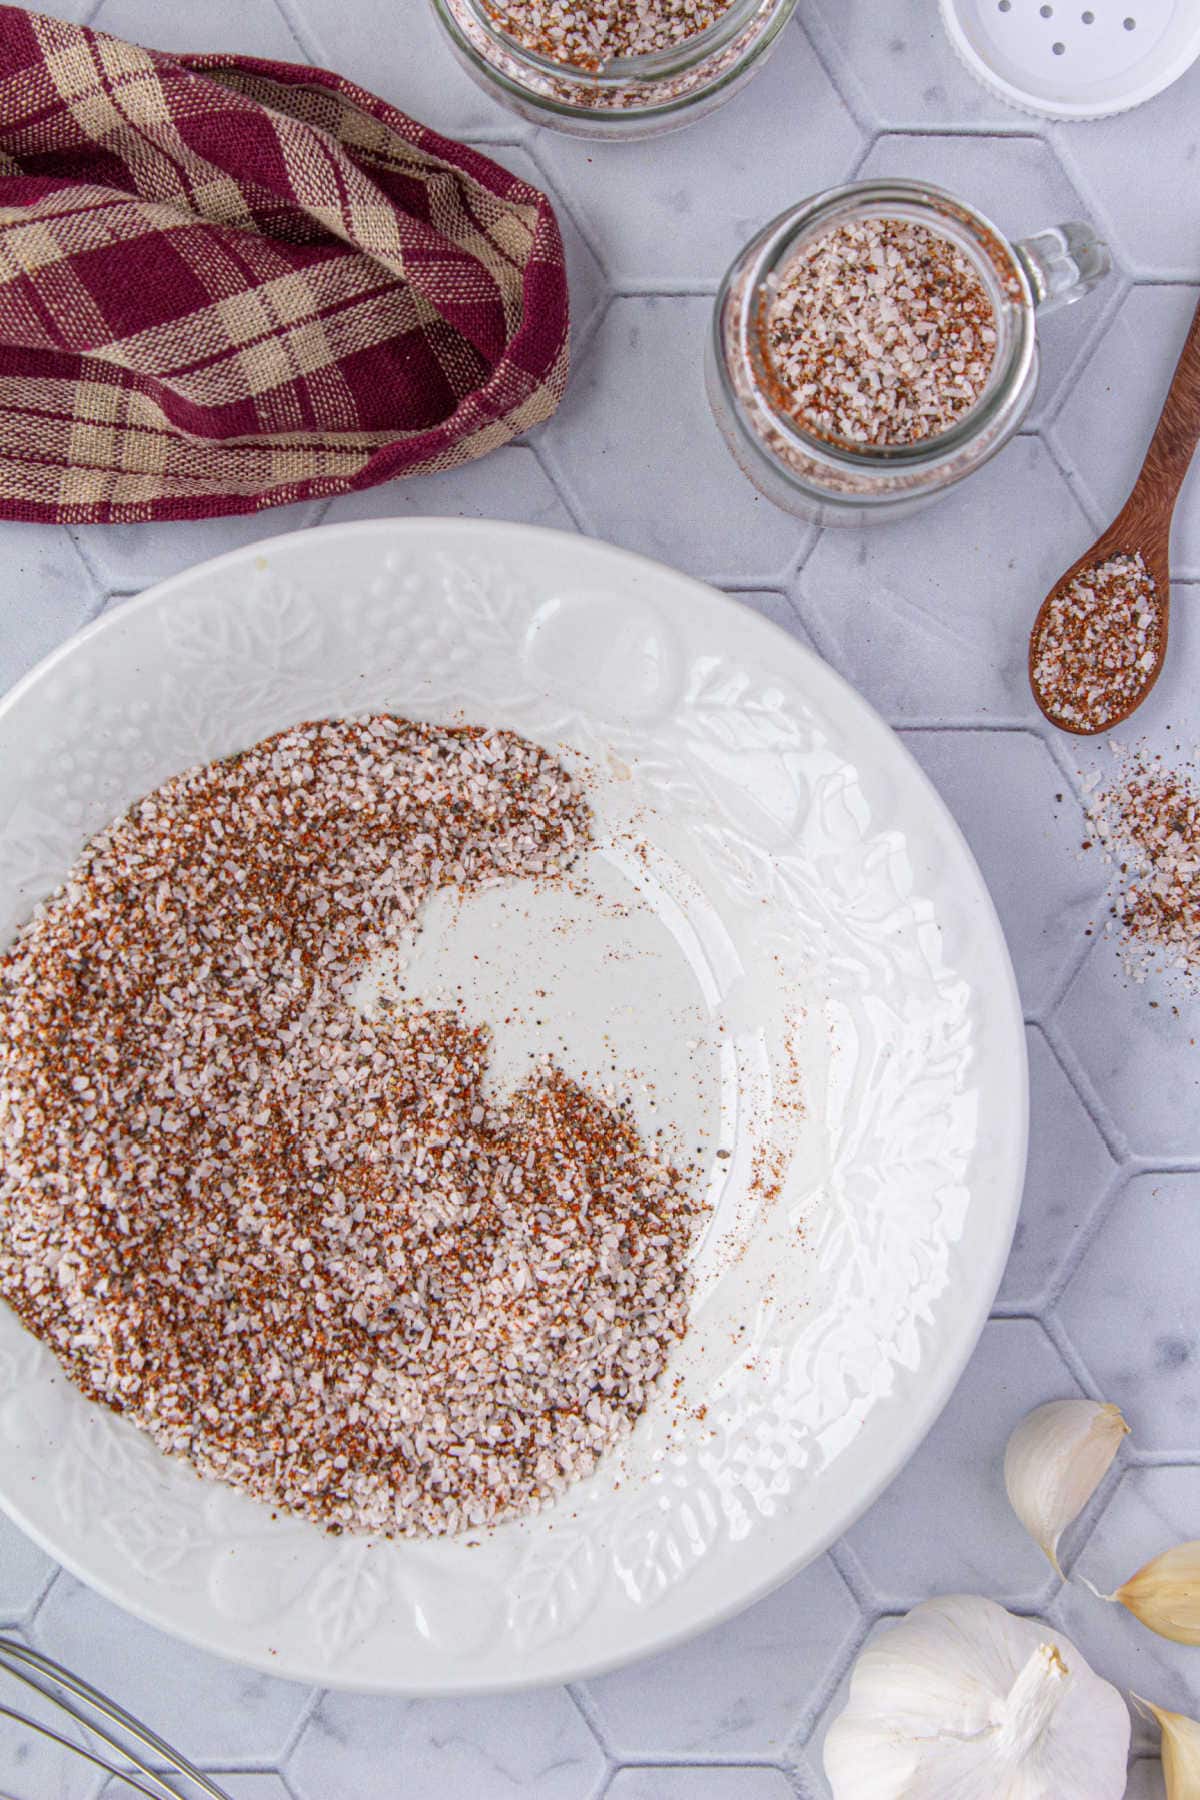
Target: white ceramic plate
[{"x": 808, "y": 969}]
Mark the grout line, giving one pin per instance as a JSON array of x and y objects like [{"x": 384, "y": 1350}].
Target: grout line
[
  {"x": 561, "y": 493},
  {"x": 1084, "y": 1529},
  {"x": 1081, "y": 1528},
  {"x": 1076, "y": 1366},
  {"x": 682, "y": 1759},
  {"x": 1061, "y": 148},
  {"x": 996, "y": 130},
  {"x": 307, "y": 39},
  {"x": 1163, "y": 1459},
  {"x": 980, "y": 727},
  {"x": 1080, "y": 1247},
  {"x": 304, "y": 1719},
  {"x": 1100, "y": 321},
  {"x": 810, "y": 537},
  {"x": 555, "y": 474},
  {"x": 563, "y": 203},
  {"x": 753, "y": 584},
  {"x": 583, "y": 332},
  {"x": 1114, "y": 1141},
  {"x": 84, "y": 555},
  {"x": 839, "y": 74},
  {"x": 592, "y": 1717},
  {"x": 35, "y": 1611},
  {"x": 675, "y": 287},
  {"x": 1065, "y": 978}
]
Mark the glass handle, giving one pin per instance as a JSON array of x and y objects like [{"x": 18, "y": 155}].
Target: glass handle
[{"x": 1063, "y": 263}]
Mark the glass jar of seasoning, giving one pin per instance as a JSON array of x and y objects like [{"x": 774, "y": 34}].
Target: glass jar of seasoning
[
  {"x": 631, "y": 96},
  {"x": 877, "y": 343}
]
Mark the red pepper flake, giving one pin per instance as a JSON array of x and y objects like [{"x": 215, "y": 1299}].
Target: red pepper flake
[{"x": 1147, "y": 822}]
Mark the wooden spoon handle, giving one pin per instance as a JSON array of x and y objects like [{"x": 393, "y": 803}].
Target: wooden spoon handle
[{"x": 1178, "y": 430}]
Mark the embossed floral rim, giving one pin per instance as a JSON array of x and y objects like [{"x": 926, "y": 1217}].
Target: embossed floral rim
[{"x": 822, "y": 843}]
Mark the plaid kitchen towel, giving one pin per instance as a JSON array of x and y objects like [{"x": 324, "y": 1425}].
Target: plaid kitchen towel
[{"x": 226, "y": 284}]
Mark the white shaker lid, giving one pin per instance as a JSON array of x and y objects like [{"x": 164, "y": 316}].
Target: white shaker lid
[{"x": 1075, "y": 59}]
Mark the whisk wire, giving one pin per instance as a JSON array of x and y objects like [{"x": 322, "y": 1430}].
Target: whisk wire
[{"x": 43, "y": 1676}]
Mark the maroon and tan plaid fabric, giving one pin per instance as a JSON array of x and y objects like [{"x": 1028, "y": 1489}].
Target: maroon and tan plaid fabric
[{"x": 226, "y": 284}]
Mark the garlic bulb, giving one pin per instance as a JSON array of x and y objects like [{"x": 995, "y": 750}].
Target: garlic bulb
[
  {"x": 962, "y": 1701},
  {"x": 1165, "y": 1594},
  {"x": 1180, "y": 1752},
  {"x": 1055, "y": 1461}
]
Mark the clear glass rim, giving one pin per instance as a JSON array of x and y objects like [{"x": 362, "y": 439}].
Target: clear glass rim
[
  {"x": 779, "y": 242},
  {"x": 623, "y": 74}
]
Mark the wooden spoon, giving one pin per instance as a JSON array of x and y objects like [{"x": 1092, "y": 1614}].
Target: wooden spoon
[{"x": 1143, "y": 525}]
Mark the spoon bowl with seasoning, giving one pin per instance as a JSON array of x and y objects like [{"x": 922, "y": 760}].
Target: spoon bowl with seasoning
[{"x": 1100, "y": 637}]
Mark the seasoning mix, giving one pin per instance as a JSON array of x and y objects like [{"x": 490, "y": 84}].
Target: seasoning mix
[
  {"x": 617, "y": 69},
  {"x": 881, "y": 332},
  {"x": 294, "y": 1239},
  {"x": 588, "y": 34},
  {"x": 1098, "y": 644},
  {"x": 1146, "y": 822}
]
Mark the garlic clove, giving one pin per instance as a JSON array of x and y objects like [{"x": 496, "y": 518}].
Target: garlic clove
[
  {"x": 1055, "y": 1460},
  {"x": 1180, "y": 1751},
  {"x": 1165, "y": 1595}
]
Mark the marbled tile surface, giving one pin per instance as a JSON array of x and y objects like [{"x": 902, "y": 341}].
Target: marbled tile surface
[{"x": 928, "y": 619}]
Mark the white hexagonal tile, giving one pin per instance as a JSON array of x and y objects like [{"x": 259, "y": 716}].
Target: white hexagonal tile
[
  {"x": 508, "y": 484},
  {"x": 779, "y": 609},
  {"x": 77, "y": 11},
  {"x": 258, "y": 29},
  {"x": 1022, "y": 187},
  {"x": 1152, "y": 1510},
  {"x": 635, "y": 416},
  {"x": 402, "y": 54},
  {"x": 31, "y": 1767},
  {"x": 743, "y": 1689},
  {"x": 1069, "y": 1173},
  {"x": 1162, "y": 239},
  {"x": 1130, "y": 1310},
  {"x": 930, "y": 616},
  {"x": 128, "y": 558},
  {"x": 945, "y": 1525},
  {"x": 1003, "y": 789},
  {"x": 536, "y": 1745},
  {"x": 24, "y": 1571},
  {"x": 46, "y": 595},
  {"x": 700, "y": 1784},
  {"x": 1105, "y": 423},
  {"x": 897, "y": 62},
  {"x": 213, "y": 1710},
  {"x": 1138, "y": 1043},
  {"x": 257, "y": 1785},
  {"x": 654, "y": 223}
]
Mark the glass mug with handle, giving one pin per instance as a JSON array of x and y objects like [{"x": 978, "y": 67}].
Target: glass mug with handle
[{"x": 832, "y": 480}]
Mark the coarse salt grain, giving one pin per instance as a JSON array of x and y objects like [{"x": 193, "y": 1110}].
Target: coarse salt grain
[
  {"x": 590, "y": 36},
  {"x": 1146, "y": 822},
  {"x": 296, "y": 1243},
  {"x": 880, "y": 333},
  {"x": 1098, "y": 644}
]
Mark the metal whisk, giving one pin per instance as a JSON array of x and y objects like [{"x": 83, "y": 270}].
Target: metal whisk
[{"x": 124, "y": 1735}]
